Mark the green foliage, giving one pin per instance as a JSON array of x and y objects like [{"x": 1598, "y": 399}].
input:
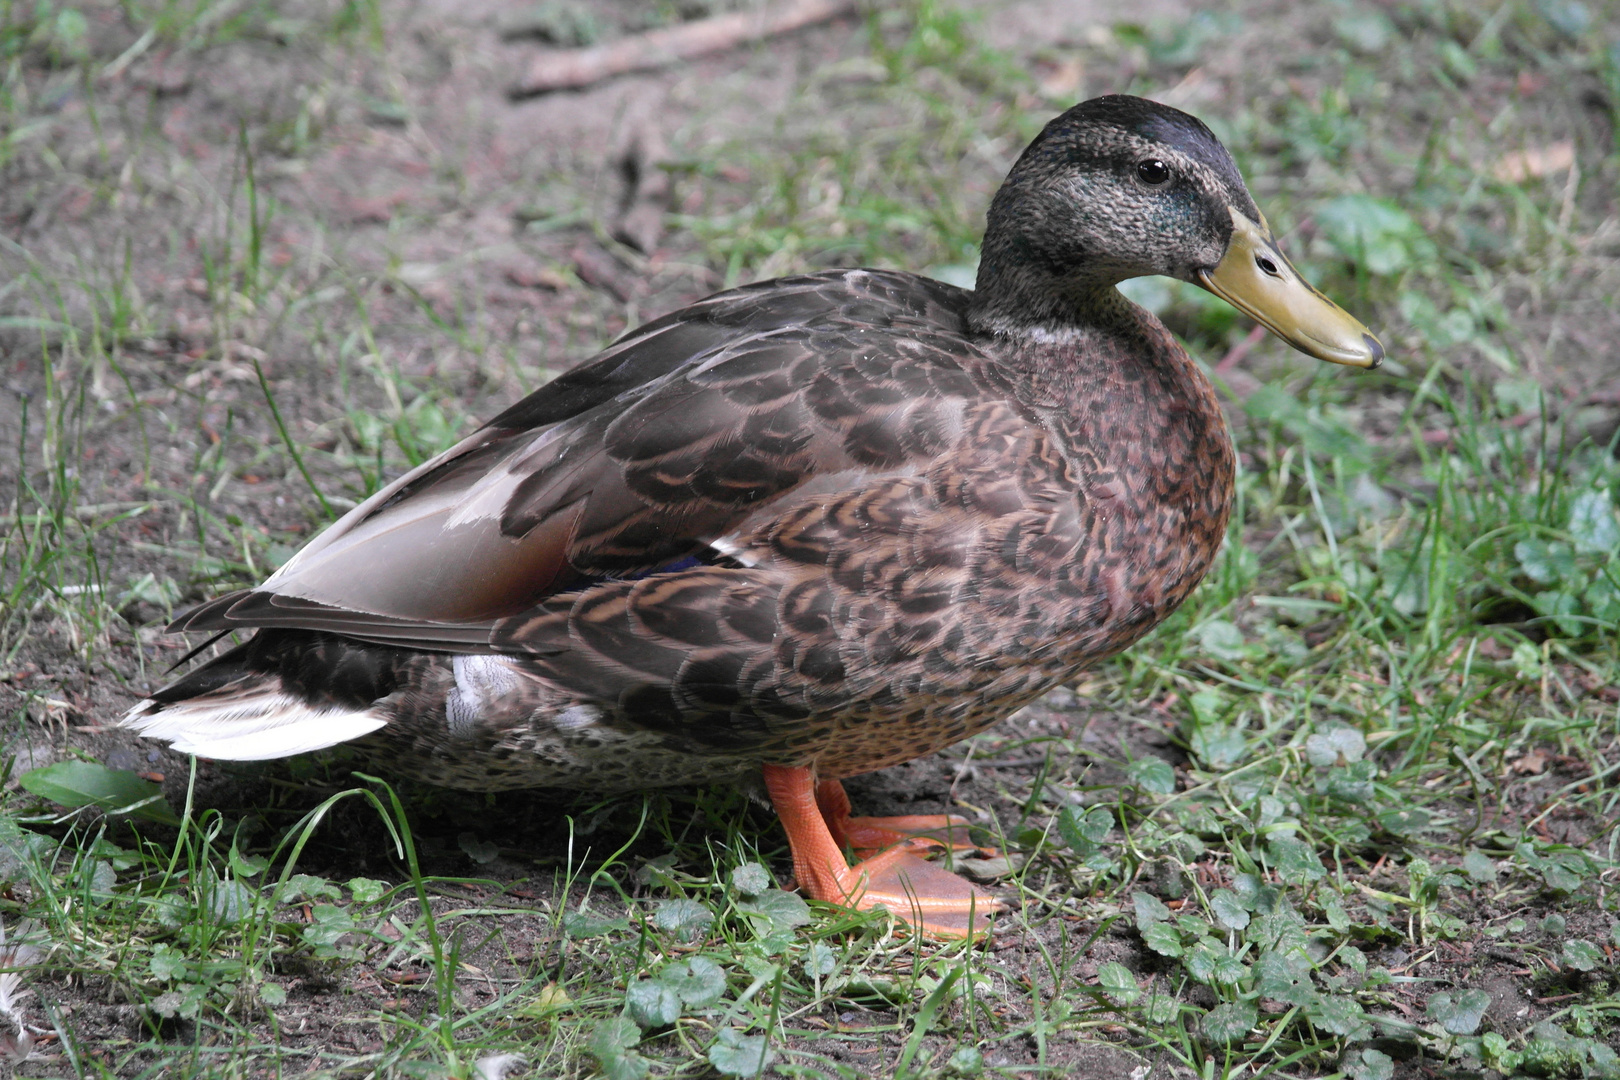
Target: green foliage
[
  {"x": 84, "y": 783},
  {"x": 736, "y": 1054},
  {"x": 1459, "y": 1013}
]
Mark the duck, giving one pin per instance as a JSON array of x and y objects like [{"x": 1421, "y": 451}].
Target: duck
[{"x": 797, "y": 531}]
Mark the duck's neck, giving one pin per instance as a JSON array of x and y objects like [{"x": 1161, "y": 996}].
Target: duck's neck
[{"x": 1029, "y": 304}]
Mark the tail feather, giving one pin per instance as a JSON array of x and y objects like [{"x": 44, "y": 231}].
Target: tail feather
[
  {"x": 253, "y": 723},
  {"x": 257, "y": 701}
]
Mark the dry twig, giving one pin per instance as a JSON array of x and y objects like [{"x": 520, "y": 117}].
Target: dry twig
[{"x": 570, "y": 69}]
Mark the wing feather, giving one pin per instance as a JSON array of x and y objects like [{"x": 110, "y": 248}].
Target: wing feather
[{"x": 676, "y": 437}]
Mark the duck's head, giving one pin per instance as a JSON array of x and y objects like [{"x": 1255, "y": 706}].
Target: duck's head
[{"x": 1121, "y": 187}]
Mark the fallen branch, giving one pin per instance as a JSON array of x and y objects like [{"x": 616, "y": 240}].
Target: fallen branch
[{"x": 569, "y": 69}]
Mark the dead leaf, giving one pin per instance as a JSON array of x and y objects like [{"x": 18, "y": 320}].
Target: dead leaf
[
  {"x": 1537, "y": 161},
  {"x": 535, "y": 276},
  {"x": 989, "y": 869},
  {"x": 1533, "y": 762},
  {"x": 1062, "y": 79}
]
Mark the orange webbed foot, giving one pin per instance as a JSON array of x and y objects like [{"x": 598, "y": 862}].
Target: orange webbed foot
[
  {"x": 932, "y": 899},
  {"x": 863, "y": 834}
]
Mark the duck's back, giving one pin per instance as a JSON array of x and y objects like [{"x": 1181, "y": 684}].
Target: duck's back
[{"x": 816, "y": 521}]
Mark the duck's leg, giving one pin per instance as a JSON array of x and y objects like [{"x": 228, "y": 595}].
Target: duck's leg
[
  {"x": 876, "y": 833},
  {"x": 935, "y": 901}
]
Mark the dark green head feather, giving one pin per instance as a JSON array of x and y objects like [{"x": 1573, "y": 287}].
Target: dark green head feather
[{"x": 1076, "y": 215}]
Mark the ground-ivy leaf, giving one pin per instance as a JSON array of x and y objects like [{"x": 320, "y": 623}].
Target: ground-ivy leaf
[
  {"x": 1459, "y": 1013},
  {"x": 1337, "y": 1014},
  {"x": 478, "y": 849},
  {"x": 1369, "y": 1065},
  {"x": 1228, "y": 908},
  {"x": 1285, "y": 976},
  {"x": 736, "y": 1054},
  {"x": 1295, "y": 862},
  {"x": 1228, "y": 970},
  {"x": 1338, "y": 745},
  {"x": 1404, "y": 820},
  {"x": 652, "y": 1004},
  {"x": 1149, "y": 909},
  {"x": 1162, "y": 938},
  {"x": 247, "y": 866},
  {"x": 966, "y": 1061},
  {"x": 1208, "y": 704},
  {"x": 1082, "y": 829},
  {"x": 759, "y": 968},
  {"x": 1255, "y": 893},
  {"x": 175, "y": 1002},
  {"x": 1118, "y": 983},
  {"x": 627, "y": 1066},
  {"x": 1282, "y": 930},
  {"x": 1333, "y": 911},
  {"x": 1372, "y": 232},
  {"x": 1546, "y": 562},
  {"x": 1223, "y": 640},
  {"x": 1192, "y": 926},
  {"x": 1552, "y": 1054},
  {"x": 612, "y": 1037},
  {"x": 588, "y": 924},
  {"x": 779, "y": 911},
  {"x": 750, "y": 879},
  {"x": 1152, "y": 774},
  {"x": 367, "y": 890},
  {"x": 1562, "y": 605},
  {"x": 820, "y": 959},
  {"x": 1559, "y": 878},
  {"x": 1479, "y": 866},
  {"x": 1352, "y": 784},
  {"x": 1229, "y": 1022},
  {"x": 87, "y": 783},
  {"x": 1582, "y": 955},
  {"x": 299, "y": 886},
  {"x": 1269, "y": 810},
  {"x": 1161, "y": 1009},
  {"x": 1097, "y": 823},
  {"x": 1592, "y": 524},
  {"x": 1219, "y": 747},
  {"x": 330, "y": 923},
  {"x": 171, "y": 911},
  {"x": 166, "y": 963},
  {"x": 1203, "y": 958},
  {"x": 686, "y": 919},
  {"x": 698, "y": 981},
  {"x": 231, "y": 902}
]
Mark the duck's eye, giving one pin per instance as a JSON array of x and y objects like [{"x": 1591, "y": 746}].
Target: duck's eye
[{"x": 1153, "y": 171}]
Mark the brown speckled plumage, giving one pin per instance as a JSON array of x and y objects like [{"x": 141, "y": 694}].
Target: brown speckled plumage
[{"x": 839, "y": 520}]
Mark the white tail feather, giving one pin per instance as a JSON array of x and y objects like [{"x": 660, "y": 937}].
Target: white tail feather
[{"x": 251, "y": 725}]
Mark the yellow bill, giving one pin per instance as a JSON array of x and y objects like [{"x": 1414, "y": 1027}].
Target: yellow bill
[{"x": 1256, "y": 278}]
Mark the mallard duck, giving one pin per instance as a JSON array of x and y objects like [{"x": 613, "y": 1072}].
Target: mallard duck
[{"x": 799, "y": 530}]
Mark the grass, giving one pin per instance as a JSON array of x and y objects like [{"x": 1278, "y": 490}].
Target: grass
[{"x": 1352, "y": 811}]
